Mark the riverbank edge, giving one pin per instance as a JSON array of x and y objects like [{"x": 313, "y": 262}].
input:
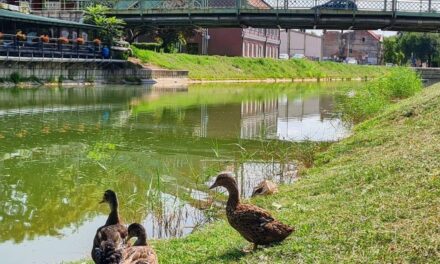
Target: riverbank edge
[
  {"x": 206, "y": 69},
  {"x": 281, "y": 80},
  {"x": 372, "y": 197},
  {"x": 352, "y": 202}
]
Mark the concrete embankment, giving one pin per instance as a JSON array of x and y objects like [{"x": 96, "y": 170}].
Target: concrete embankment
[{"x": 67, "y": 71}]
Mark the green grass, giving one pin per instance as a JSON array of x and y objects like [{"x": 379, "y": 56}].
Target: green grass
[
  {"x": 238, "y": 68},
  {"x": 371, "y": 198},
  {"x": 360, "y": 104}
]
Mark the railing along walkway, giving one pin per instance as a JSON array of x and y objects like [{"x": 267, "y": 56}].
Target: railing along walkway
[
  {"x": 32, "y": 46},
  {"x": 422, "y": 15}
]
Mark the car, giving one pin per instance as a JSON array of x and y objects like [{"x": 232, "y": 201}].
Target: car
[
  {"x": 298, "y": 56},
  {"x": 338, "y": 5},
  {"x": 284, "y": 56}
]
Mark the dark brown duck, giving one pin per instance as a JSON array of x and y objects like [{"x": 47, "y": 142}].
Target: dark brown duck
[
  {"x": 255, "y": 224},
  {"x": 110, "y": 238}
]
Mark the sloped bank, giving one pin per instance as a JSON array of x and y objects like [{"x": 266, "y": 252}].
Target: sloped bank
[
  {"x": 373, "y": 197},
  {"x": 222, "y": 68}
]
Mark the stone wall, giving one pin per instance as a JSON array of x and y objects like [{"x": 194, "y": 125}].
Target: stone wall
[{"x": 81, "y": 70}]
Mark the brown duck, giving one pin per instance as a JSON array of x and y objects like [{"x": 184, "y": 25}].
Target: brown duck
[
  {"x": 109, "y": 239},
  {"x": 255, "y": 224},
  {"x": 140, "y": 252}
]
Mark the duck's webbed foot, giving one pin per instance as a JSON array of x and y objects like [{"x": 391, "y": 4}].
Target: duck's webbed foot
[{"x": 250, "y": 248}]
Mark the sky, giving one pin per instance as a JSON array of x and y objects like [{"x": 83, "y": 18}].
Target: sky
[{"x": 380, "y": 32}]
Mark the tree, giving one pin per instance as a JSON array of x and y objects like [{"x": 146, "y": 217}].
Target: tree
[
  {"x": 392, "y": 52},
  {"x": 422, "y": 46},
  {"x": 111, "y": 27}
]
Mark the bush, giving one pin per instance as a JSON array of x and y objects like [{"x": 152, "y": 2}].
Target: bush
[
  {"x": 15, "y": 77},
  {"x": 147, "y": 46},
  {"x": 34, "y": 78},
  {"x": 399, "y": 83}
]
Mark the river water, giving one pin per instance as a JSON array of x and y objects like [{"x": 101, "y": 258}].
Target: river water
[{"x": 157, "y": 148}]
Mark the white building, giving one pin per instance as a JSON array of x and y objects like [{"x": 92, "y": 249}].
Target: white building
[{"x": 296, "y": 42}]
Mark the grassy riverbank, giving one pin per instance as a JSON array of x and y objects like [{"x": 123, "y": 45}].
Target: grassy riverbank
[
  {"x": 238, "y": 68},
  {"x": 373, "y": 197}
]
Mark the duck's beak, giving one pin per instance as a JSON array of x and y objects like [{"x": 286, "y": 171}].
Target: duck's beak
[
  {"x": 103, "y": 201},
  {"x": 213, "y": 186}
]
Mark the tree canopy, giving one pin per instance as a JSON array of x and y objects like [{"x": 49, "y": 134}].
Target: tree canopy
[
  {"x": 111, "y": 27},
  {"x": 410, "y": 46}
]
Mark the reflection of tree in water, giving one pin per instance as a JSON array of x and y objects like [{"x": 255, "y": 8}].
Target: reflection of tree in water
[{"x": 39, "y": 200}]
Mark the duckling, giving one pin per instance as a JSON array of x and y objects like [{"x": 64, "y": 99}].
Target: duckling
[
  {"x": 110, "y": 237},
  {"x": 265, "y": 187},
  {"x": 255, "y": 224},
  {"x": 140, "y": 252}
]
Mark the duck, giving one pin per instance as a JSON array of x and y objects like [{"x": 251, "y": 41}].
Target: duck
[
  {"x": 265, "y": 187},
  {"x": 140, "y": 252},
  {"x": 253, "y": 223},
  {"x": 110, "y": 238}
]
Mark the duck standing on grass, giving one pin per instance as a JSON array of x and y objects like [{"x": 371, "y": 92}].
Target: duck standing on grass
[
  {"x": 110, "y": 238},
  {"x": 140, "y": 252},
  {"x": 255, "y": 224}
]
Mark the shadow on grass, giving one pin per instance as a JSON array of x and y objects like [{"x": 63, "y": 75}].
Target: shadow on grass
[{"x": 233, "y": 254}]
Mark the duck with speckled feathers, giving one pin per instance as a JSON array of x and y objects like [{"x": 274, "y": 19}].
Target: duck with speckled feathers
[
  {"x": 255, "y": 224},
  {"x": 110, "y": 238},
  {"x": 140, "y": 252}
]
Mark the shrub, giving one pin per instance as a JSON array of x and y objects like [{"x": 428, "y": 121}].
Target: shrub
[
  {"x": 34, "y": 78},
  {"x": 147, "y": 46},
  {"x": 15, "y": 77},
  {"x": 376, "y": 95}
]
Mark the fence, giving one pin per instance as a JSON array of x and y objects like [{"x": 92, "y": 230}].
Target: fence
[
  {"x": 33, "y": 46},
  {"x": 168, "y": 6}
]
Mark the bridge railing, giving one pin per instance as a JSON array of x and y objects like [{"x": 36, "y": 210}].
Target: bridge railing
[{"x": 170, "y": 6}]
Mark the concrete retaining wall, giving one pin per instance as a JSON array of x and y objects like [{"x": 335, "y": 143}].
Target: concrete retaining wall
[{"x": 82, "y": 70}]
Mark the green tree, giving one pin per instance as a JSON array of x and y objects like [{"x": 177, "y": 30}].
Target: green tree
[
  {"x": 392, "y": 51},
  {"x": 111, "y": 27},
  {"x": 422, "y": 46}
]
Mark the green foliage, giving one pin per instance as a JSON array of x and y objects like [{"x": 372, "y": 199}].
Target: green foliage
[
  {"x": 34, "y": 78},
  {"x": 147, "y": 46},
  {"x": 61, "y": 78},
  {"x": 378, "y": 94},
  {"x": 51, "y": 79},
  {"x": 411, "y": 45},
  {"x": 354, "y": 206},
  {"x": 392, "y": 52},
  {"x": 111, "y": 27},
  {"x": 15, "y": 77},
  {"x": 221, "y": 67}
]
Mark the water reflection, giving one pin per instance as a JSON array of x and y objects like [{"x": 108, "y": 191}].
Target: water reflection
[{"x": 61, "y": 148}]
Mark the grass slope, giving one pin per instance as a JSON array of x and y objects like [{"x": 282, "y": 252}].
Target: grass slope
[
  {"x": 374, "y": 197},
  {"x": 238, "y": 68}
]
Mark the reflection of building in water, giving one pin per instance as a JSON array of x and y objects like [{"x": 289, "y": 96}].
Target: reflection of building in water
[
  {"x": 309, "y": 119},
  {"x": 299, "y": 119},
  {"x": 258, "y": 118}
]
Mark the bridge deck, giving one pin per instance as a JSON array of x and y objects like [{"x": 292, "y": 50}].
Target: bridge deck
[{"x": 422, "y": 15}]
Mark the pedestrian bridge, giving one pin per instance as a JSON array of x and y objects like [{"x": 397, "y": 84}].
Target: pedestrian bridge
[{"x": 404, "y": 15}]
